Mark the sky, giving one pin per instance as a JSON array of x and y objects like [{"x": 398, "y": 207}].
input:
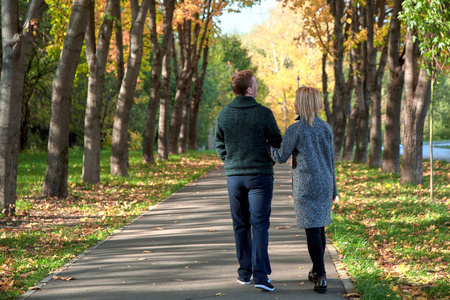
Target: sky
[{"x": 244, "y": 21}]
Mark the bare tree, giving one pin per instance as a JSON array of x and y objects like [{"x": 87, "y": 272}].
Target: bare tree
[
  {"x": 119, "y": 147},
  {"x": 16, "y": 48}
]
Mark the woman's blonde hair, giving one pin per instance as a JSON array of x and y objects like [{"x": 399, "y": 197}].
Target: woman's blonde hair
[{"x": 308, "y": 101}]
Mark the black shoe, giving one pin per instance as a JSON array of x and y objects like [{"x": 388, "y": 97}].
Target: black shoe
[
  {"x": 321, "y": 285},
  {"x": 312, "y": 276},
  {"x": 243, "y": 281},
  {"x": 267, "y": 286}
]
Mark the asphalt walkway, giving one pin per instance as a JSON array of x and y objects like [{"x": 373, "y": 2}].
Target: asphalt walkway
[{"x": 183, "y": 249}]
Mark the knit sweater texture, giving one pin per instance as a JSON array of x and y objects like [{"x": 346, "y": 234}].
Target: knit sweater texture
[{"x": 244, "y": 130}]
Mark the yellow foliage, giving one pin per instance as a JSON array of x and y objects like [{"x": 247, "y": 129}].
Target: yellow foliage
[{"x": 281, "y": 58}]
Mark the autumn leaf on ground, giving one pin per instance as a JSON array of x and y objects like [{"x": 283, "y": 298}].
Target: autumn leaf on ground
[
  {"x": 34, "y": 288},
  {"x": 212, "y": 230},
  {"x": 4, "y": 286},
  {"x": 281, "y": 227},
  {"x": 349, "y": 295},
  {"x": 55, "y": 277}
]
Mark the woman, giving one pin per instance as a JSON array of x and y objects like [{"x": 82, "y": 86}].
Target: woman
[{"x": 310, "y": 141}]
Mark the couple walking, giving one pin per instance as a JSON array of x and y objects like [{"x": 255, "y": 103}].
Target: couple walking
[{"x": 248, "y": 140}]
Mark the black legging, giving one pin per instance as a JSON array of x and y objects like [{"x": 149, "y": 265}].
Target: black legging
[{"x": 315, "y": 238}]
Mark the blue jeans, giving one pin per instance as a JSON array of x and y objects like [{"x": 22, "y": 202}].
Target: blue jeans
[{"x": 250, "y": 205}]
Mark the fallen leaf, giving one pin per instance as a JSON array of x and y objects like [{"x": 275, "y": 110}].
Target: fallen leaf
[
  {"x": 281, "y": 227},
  {"x": 146, "y": 251},
  {"x": 143, "y": 258},
  {"x": 34, "y": 288},
  {"x": 349, "y": 295},
  {"x": 4, "y": 286},
  {"x": 55, "y": 277},
  {"x": 212, "y": 230},
  {"x": 220, "y": 294}
]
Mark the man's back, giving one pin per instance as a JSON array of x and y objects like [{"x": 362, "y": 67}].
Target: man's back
[{"x": 243, "y": 130}]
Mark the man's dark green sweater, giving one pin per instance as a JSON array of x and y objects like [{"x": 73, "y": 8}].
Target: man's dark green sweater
[{"x": 244, "y": 129}]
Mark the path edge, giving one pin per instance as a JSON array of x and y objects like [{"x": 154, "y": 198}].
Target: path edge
[{"x": 68, "y": 264}]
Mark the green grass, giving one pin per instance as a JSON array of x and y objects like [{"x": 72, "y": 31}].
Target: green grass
[
  {"x": 394, "y": 240},
  {"x": 48, "y": 232}
]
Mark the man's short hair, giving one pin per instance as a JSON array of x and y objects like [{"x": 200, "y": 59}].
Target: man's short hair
[{"x": 241, "y": 81}]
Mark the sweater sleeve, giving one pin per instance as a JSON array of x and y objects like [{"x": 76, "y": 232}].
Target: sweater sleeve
[
  {"x": 282, "y": 154},
  {"x": 273, "y": 132},
  {"x": 219, "y": 140}
]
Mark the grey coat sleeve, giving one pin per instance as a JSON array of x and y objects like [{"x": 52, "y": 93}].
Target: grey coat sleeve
[{"x": 282, "y": 154}]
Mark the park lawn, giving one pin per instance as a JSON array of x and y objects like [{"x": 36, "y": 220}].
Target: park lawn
[
  {"x": 393, "y": 240},
  {"x": 48, "y": 232}
]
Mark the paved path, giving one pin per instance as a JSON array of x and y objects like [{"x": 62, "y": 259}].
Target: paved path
[{"x": 184, "y": 249}]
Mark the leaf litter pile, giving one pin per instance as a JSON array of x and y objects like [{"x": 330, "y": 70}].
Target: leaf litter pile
[
  {"x": 45, "y": 233},
  {"x": 393, "y": 239}
]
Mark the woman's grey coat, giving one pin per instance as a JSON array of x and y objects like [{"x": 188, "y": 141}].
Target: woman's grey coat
[{"x": 313, "y": 177}]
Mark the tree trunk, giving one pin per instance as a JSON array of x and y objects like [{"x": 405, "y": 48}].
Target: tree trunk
[
  {"x": 119, "y": 146},
  {"x": 163, "y": 127},
  {"x": 119, "y": 48},
  {"x": 375, "y": 118},
  {"x": 375, "y": 154},
  {"x": 155, "y": 83},
  {"x": 325, "y": 89},
  {"x": 55, "y": 183},
  {"x": 391, "y": 154},
  {"x": 190, "y": 42},
  {"x": 355, "y": 58},
  {"x": 192, "y": 130},
  {"x": 339, "y": 119},
  {"x": 417, "y": 96},
  {"x": 196, "y": 99},
  {"x": 120, "y": 69},
  {"x": 182, "y": 147},
  {"x": 351, "y": 132},
  {"x": 24, "y": 122},
  {"x": 97, "y": 59},
  {"x": 16, "y": 47},
  {"x": 184, "y": 80},
  {"x": 368, "y": 58}
]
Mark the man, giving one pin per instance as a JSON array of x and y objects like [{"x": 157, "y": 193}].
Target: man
[{"x": 244, "y": 129}]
